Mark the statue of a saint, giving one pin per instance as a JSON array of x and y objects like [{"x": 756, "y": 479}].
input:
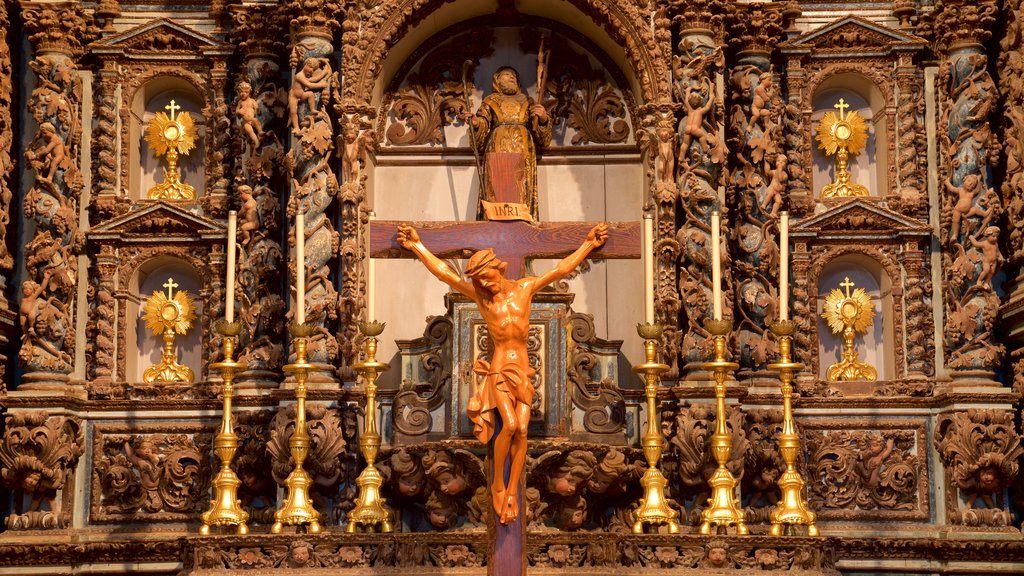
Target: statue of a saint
[
  {"x": 503, "y": 384},
  {"x": 508, "y": 129}
]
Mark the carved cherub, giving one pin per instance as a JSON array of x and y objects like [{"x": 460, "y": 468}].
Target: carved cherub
[
  {"x": 300, "y": 555},
  {"x": 666, "y": 152},
  {"x": 716, "y": 555},
  {"x": 352, "y": 147},
  {"x": 698, "y": 102},
  {"x": 878, "y": 449},
  {"x": 407, "y": 475},
  {"x": 611, "y": 475},
  {"x": 760, "y": 104},
  {"x": 247, "y": 109},
  {"x": 572, "y": 514},
  {"x": 574, "y": 471},
  {"x": 248, "y": 216},
  {"x": 50, "y": 155},
  {"x": 965, "y": 201},
  {"x": 773, "y": 193},
  {"x": 991, "y": 258},
  {"x": 146, "y": 460},
  {"x": 312, "y": 76}
]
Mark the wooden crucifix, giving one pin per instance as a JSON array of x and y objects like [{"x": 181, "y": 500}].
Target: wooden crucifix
[{"x": 500, "y": 407}]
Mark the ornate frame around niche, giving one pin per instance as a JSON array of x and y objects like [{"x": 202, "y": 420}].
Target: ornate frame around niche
[
  {"x": 128, "y": 61},
  {"x": 856, "y": 45},
  {"x": 124, "y": 244},
  {"x": 900, "y": 246}
]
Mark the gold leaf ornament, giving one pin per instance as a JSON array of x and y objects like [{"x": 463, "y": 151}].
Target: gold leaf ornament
[
  {"x": 168, "y": 315},
  {"x": 171, "y": 132}
]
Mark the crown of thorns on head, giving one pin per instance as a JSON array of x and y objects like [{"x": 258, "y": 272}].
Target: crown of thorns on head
[{"x": 483, "y": 260}]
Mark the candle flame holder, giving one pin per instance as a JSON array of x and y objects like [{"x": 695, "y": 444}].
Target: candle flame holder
[
  {"x": 792, "y": 509},
  {"x": 723, "y": 509},
  {"x": 225, "y": 508},
  {"x": 653, "y": 508},
  {"x": 298, "y": 509},
  {"x": 371, "y": 509}
]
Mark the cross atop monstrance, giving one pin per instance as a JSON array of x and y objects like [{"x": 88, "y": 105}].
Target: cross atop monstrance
[{"x": 507, "y": 129}]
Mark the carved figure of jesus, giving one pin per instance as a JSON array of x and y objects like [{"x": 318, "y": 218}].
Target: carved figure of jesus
[
  {"x": 509, "y": 121},
  {"x": 503, "y": 384}
]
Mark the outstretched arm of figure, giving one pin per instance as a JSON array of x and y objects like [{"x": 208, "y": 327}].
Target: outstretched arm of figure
[
  {"x": 410, "y": 240},
  {"x": 595, "y": 239}
]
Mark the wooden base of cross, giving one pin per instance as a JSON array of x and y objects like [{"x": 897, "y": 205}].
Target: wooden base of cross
[{"x": 507, "y": 542}]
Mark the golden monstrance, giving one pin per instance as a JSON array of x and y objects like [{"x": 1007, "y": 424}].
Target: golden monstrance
[
  {"x": 842, "y": 136},
  {"x": 169, "y": 315},
  {"x": 171, "y": 135},
  {"x": 850, "y": 314}
]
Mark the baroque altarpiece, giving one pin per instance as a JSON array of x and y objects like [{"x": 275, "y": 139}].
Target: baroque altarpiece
[{"x": 355, "y": 110}]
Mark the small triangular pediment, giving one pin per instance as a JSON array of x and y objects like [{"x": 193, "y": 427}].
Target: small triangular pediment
[
  {"x": 860, "y": 217},
  {"x": 852, "y": 34},
  {"x": 160, "y": 36},
  {"x": 158, "y": 219}
]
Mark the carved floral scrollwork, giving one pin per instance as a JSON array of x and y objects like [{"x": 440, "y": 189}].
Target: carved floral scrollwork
[
  {"x": 863, "y": 469},
  {"x": 38, "y": 455},
  {"x": 762, "y": 464},
  {"x": 152, "y": 476},
  {"x": 981, "y": 451},
  {"x": 252, "y": 465},
  {"x": 414, "y": 402},
  {"x": 604, "y": 408},
  {"x": 6, "y": 138},
  {"x": 331, "y": 463}
]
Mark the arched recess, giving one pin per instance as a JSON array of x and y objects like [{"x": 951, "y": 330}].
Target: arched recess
[
  {"x": 152, "y": 276},
  {"x": 876, "y": 346},
  {"x": 393, "y": 31},
  {"x": 870, "y": 168},
  {"x": 145, "y": 168}
]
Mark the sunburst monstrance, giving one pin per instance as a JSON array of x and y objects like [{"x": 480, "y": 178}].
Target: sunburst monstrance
[
  {"x": 169, "y": 315},
  {"x": 842, "y": 136},
  {"x": 850, "y": 314},
  {"x": 172, "y": 135}
]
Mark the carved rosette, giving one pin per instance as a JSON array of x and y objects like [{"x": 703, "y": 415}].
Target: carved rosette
[
  {"x": 6, "y": 139},
  {"x": 259, "y": 109},
  {"x": 758, "y": 179},
  {"x": 1011, "y": 76},
  {"x": 971, "y": 209},
  {"x": 314, "y": 187},
  {"x": 701, "y": 169},
  {"x": 981, "y": 451},
  {"x": 38, "y": 456},
  {"x": 51, "y": 202}
]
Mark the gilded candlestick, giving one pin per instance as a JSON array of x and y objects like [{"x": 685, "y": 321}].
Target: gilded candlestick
[
  {"x": 723, "y": 509},
  {"x": 298, "y": 508},
  {"x": 654, "y": 508},
  {"x": 792, "y": 509},
  {"x": 371, "y": 509},
  {"x": 225, "y": 508}
]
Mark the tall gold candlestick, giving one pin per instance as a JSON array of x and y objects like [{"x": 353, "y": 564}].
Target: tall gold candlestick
[
  {"x": 792, "y": 509},
  {"x": 371, "y": 509},
  {"x": 654, "y": 508},
  {"x": 298, "y": 508},
  {"x": 225, "y": 509},
  {"x": 723, "y": 508}
]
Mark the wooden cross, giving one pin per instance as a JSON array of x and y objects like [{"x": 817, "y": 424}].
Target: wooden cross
[
  {"x": 170, "y": 285},
  {"x": 847, "y": 284},
  {"x": 841, "y": 106},
  {"x": 513, "y": 242},
  {"x": 173, "y": 108}
]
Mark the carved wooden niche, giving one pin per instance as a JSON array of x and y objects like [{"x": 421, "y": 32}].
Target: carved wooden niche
[
  {"x": 854, "y": 59},
  {"x": 153, "y": 102}
]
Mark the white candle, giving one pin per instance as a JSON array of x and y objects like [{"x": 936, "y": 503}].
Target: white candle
[
  {"x": 784, "y": 266},
  {"x": 371, "y": 274},
  {"x": 716, "y": 263},
  {"x": 300, "y": 268},
  {"x": 229, "y": 296},
  {"x": 648, "y": 256}
]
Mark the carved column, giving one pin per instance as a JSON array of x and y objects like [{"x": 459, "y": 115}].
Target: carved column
[
  {"x": 259, "y": 133},
  {"x": 356, "y": 119},
  {"x": 920, "y": 346},
  {"x": 971, "y": 209},
  {"x": 912, "y": 154},
  {"x": 47, "y": 294},
  {"x": 101, "y": 368},
  {"x": 795, "y": 142},
  {"x": 758, "y": 181},
  {"x": 6, "y": 142},
  {"x": 1011, "y": 84},
  {"x": 105, "y": 202},
  {"x": 697, "y": 68},
  {"x": 218, "y": 141},
  {"x": 314, "y": 184}
]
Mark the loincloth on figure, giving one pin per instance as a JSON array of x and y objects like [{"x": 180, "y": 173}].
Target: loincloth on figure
[{"x": 512, "y": 381}]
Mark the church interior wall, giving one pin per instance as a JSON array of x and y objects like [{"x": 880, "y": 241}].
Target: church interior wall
[{"x": 669, "y": 109}]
